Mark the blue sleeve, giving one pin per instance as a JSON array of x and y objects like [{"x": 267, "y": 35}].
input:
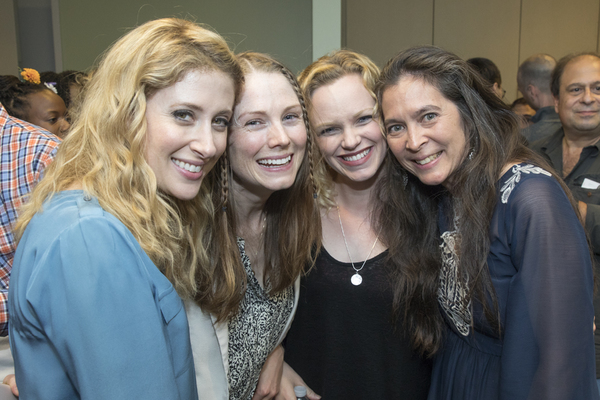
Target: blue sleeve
[
  {"x": 96, "y": 304},
  {"x": 548, "y": 350}
]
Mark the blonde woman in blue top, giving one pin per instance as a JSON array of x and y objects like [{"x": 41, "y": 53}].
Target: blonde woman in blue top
[{"x": 114, "y": 234}]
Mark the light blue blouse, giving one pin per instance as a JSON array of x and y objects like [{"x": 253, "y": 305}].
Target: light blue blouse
[{"x": 91, "y": 317}]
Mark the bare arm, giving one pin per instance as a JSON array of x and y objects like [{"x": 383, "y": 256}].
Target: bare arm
[
  {"x": 290, "y": 379},
  {"x": 270, "y": 376}
]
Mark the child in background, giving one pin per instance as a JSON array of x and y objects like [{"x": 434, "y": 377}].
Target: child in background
[{"x": 34, "y": 103}]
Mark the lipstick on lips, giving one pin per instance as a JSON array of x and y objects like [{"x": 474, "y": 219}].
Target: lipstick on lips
[{"x": 356, "y": 158}]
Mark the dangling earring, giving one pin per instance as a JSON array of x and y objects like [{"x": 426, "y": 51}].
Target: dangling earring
[{"x": 472, "y": 151}]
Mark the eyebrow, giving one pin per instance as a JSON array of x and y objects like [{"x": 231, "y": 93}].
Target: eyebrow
[
  {"x": 197, "y": 108},
  {"x": 425, "y": 109},
  {"x": 354, "y": 116},
  {"x": 262, "y": 112},
  {"x": 392, "y": 121},
  {"x": 251, "y": 114},
  {"x": 289, "y": 108},
  {"x": 189, "y": 105},
  {"x": 414, "y": 114},
  {"x": 51, "y": 113},
  {"x": 358, "y": 114}
]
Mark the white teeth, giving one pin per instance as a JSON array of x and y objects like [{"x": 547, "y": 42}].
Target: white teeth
[
  {"x": 428, "y": 159},
  {"x": 186, "y": 166},
  {"x": 358, "y": 156},
  {"x": 276, "y": 163}
]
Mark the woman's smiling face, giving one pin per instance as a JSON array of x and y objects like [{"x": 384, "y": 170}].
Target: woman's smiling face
[
  {"x": 424, "y": 130},
  {"x": 348, "y": 135},
  {"x": 268, "y": 137},
  {"x": 187, "y": 130}
]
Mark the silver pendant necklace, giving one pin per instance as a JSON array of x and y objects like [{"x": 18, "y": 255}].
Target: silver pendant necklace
[{"x": 356, "y": 278}]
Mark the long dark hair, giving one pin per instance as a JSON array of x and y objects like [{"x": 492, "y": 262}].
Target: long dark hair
[{"x": 410, "y": 211}]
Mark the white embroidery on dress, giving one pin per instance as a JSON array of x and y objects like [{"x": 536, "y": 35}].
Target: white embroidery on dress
[
  {"x": 510, "y": 184},
  {"x": 452, "y": 293}
]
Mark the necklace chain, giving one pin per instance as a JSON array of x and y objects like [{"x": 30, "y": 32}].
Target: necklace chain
[
  {"x": 356, "y": 278},
  {"x": 253, "y": 244}
]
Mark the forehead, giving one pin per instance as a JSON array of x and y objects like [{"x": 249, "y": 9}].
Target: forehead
[
  {"x": 413, "y": 91},
  {"x": 347, "y": 89},
  {"x": 584, "y": 69},
  {"x": 45, "y": 99},
  {"x": 267, "y": 89}
]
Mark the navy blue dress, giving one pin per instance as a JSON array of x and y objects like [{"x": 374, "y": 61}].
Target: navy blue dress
[{"x": 541, "y": 271}]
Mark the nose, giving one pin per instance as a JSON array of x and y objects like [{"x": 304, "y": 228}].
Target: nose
[
  {"x": 203, "y": 142},
  {"x": 278, "y": 136},
  {"x": 587, "y": 96},
  {"x": 64, "y": 125},
  {"x": 415, "y": 139},
  {"x": 350, "y": 139}
]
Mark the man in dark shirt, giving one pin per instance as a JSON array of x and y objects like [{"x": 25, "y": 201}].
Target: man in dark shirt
[
  {"x": 533, "y": 81},
  {"x": 573, "y": 149}
]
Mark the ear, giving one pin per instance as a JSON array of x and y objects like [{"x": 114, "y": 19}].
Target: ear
[
  {"x": 532, "y": 91},
  {"x": 556, "y": 104},
  {"x": 496, "y": 89}
]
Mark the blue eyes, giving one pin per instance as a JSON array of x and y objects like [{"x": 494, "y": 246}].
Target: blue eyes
[
  {"x": 290, "y": 117},
  {"x": 327, "y": 131},
  {"x": 331, "y": 130}
]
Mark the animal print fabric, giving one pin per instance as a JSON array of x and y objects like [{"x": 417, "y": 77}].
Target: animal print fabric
[{"x": 255, "y": 331}]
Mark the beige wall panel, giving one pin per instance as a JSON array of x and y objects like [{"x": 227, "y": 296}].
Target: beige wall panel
[
  {"x": 282, "y": 28},
  {"x": 382, "y": 28},
  {"x": 559, "y": 27},
  {"x": 9, "y": 63},
  {"x": 482, "y": 28}
]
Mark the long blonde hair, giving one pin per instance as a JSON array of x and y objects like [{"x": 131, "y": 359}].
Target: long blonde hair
[
  {"x": 324, "y": 71},
  {"x": 104, "y": 151}
]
